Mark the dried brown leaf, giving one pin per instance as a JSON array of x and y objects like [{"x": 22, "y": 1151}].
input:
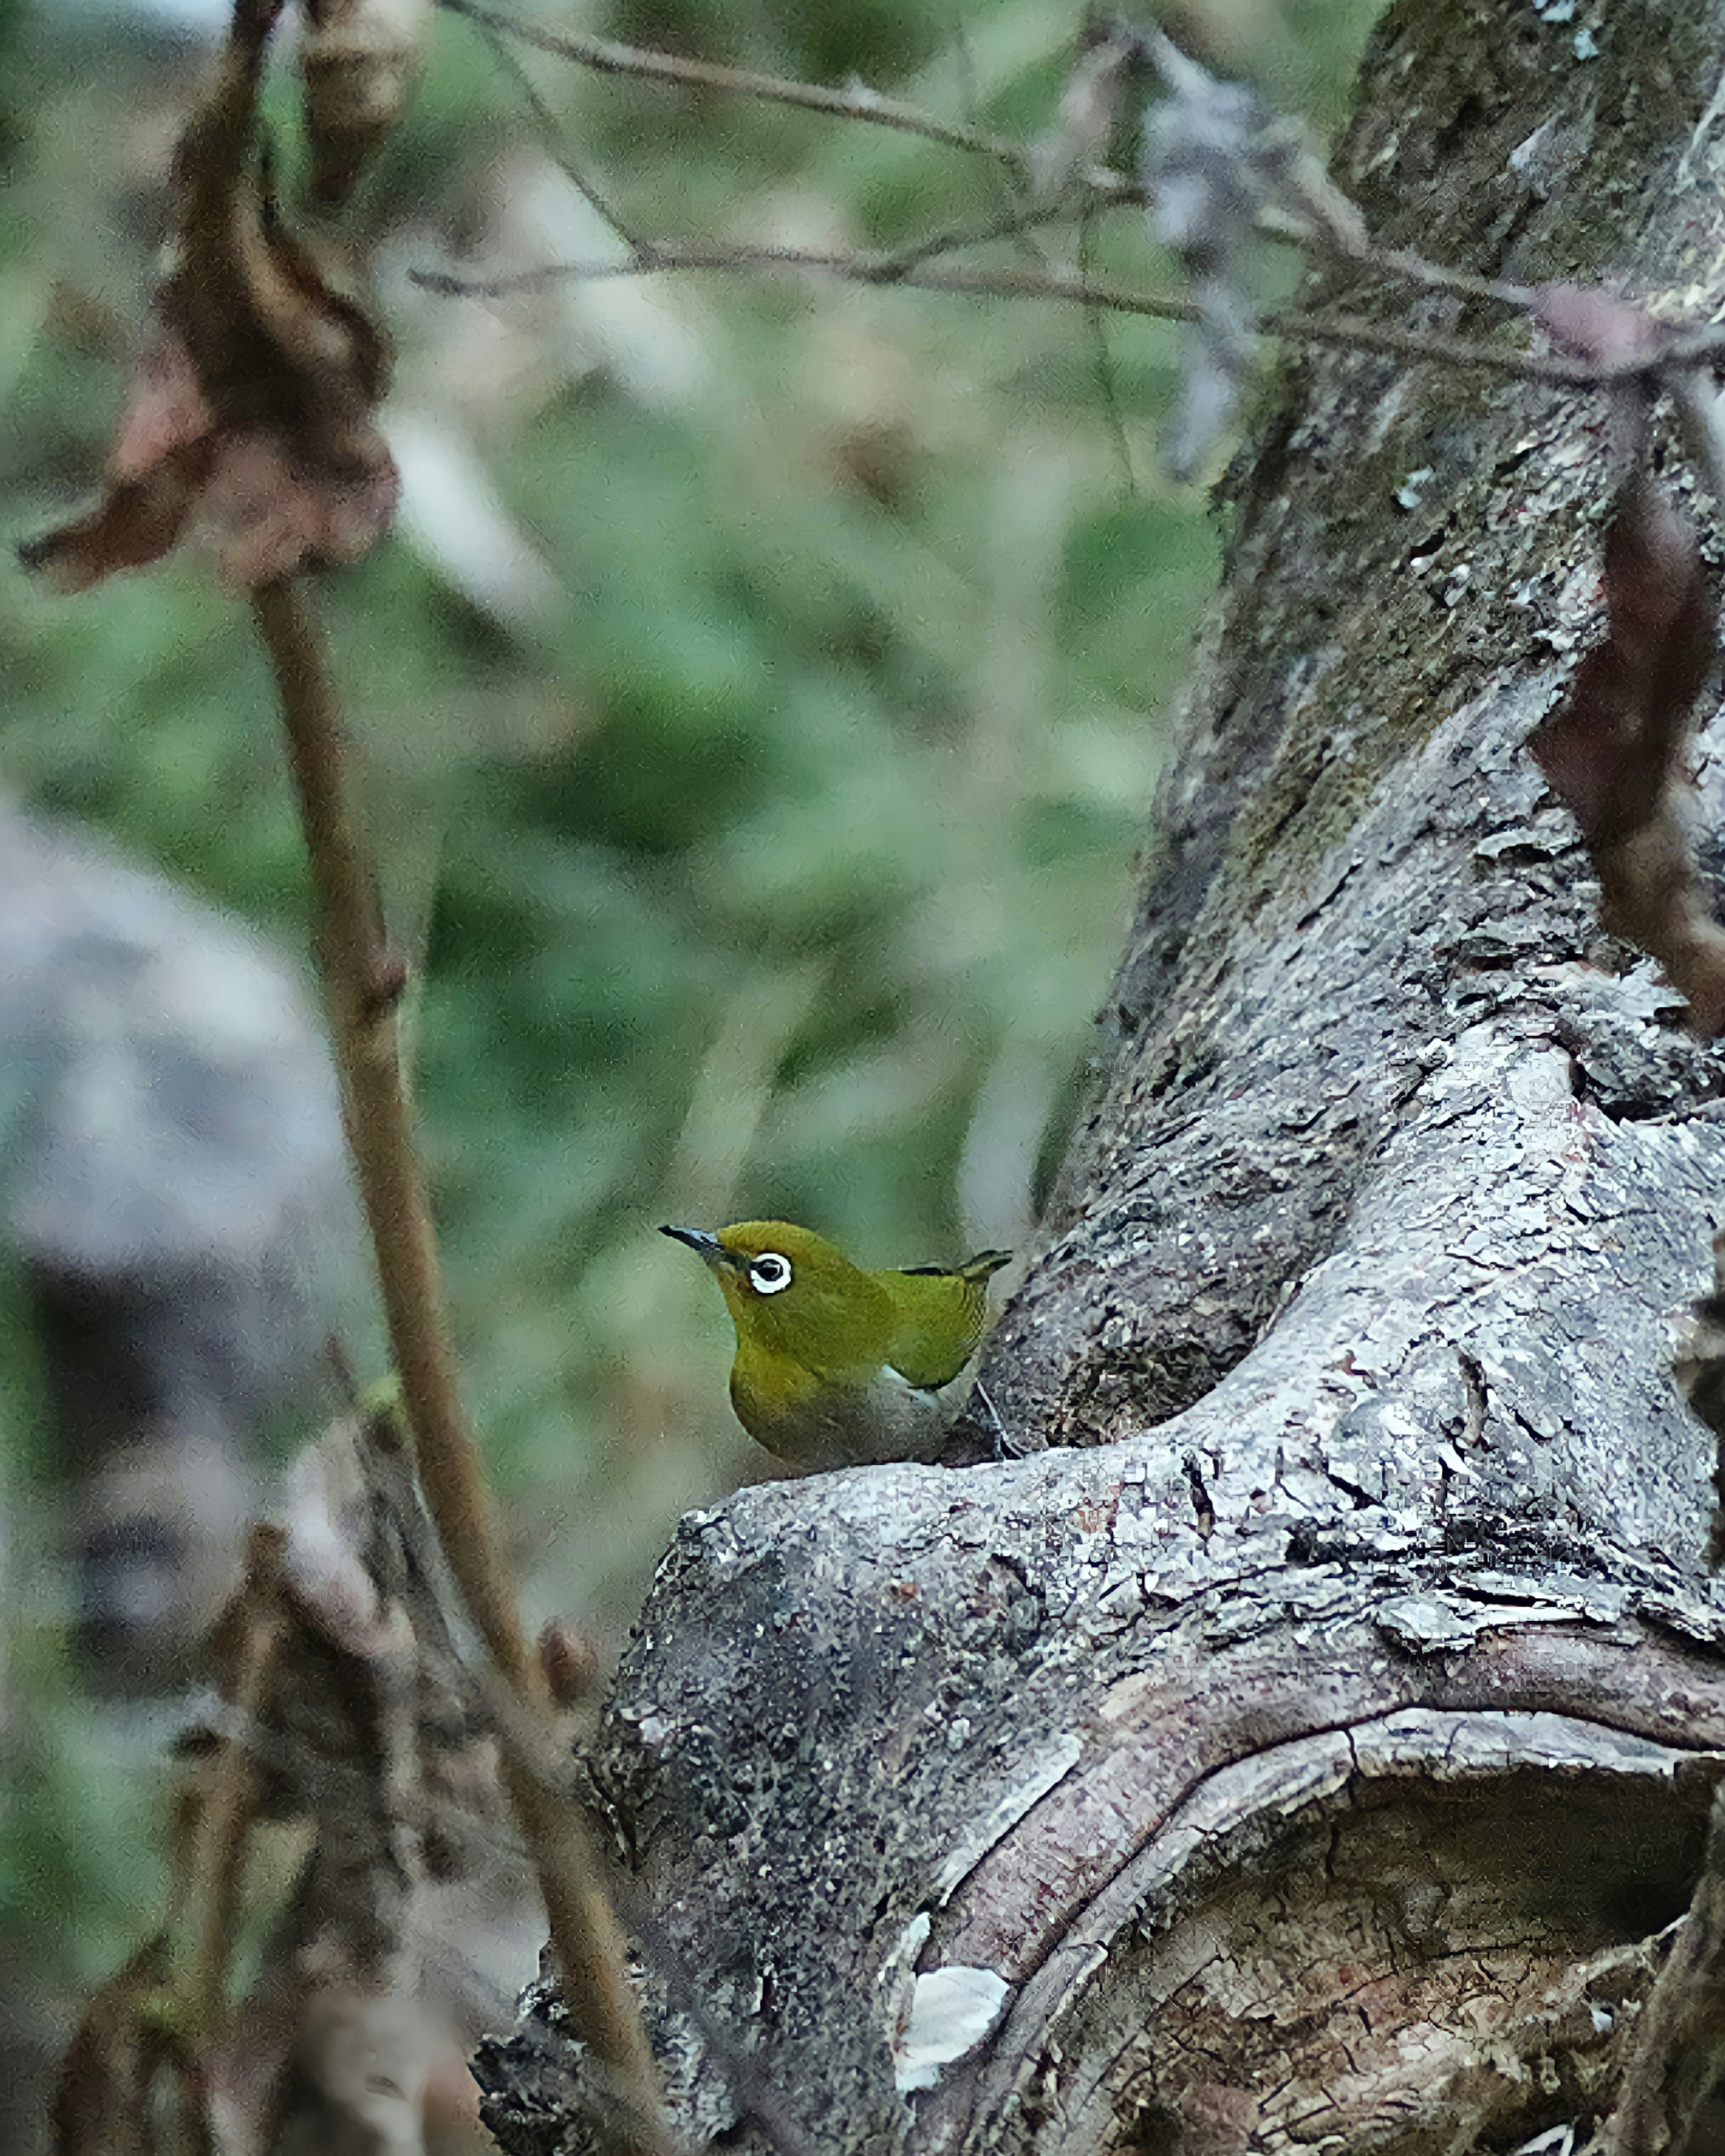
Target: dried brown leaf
[
  {"x": 102, "y": 2100},
  {"x": 1699, "y": 1369},
  {"x": 136, "y": 522},
  {"x": 359, "y": 60},
  {"x": 1613, "y": 753},
  {"x": 251, "y": 416},
  {"x": 570, "y": 1659},
  {"x": 1651, "y": 893},
  {"x": 1608, "y": 753}
]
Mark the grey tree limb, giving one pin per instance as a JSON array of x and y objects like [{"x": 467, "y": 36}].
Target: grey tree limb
[{"x": 1315, "y": 1746}]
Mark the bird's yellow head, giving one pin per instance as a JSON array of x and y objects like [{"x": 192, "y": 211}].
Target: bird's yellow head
[{"x": 792, "y": 1295}]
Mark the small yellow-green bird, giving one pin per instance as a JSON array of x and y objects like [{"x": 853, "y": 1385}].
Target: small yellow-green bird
[{"x": 836, "y": 1366}]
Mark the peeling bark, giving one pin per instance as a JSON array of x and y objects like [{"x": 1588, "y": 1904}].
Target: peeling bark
[{"x": 1315, "y": 1746}]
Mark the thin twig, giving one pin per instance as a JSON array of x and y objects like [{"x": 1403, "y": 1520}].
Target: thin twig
[
  {"x": 660, "y": 258},
  {"x": 895, "y": 265},
  {"x": 362, "y": 988},
  {"x": 1100, "y": 188},
  {"x": 604, "y": 58},
  {"x": 549, "y": 133},
  {"x": 1352, "y": 332},
  {"x": 1107, "y": 387}
]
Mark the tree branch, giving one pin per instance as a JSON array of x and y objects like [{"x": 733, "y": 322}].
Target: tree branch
[
  {"x": 1356, "y": 332},
  {"x": 602, "y": 57},
  {"x": 545, "y": 119}
]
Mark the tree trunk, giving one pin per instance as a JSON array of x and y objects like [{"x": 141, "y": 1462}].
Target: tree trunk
[{"x": 1306, "y": 1749}]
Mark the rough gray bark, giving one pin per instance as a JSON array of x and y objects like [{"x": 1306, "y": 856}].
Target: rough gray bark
[{"x": 1310, "y": 1748}]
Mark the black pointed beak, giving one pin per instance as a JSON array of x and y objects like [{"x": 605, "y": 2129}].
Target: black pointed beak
[{"x": 703, "y": 1244}]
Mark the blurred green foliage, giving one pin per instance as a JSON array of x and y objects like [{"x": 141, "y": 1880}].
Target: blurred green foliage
[{"x": 772, "y": 858}]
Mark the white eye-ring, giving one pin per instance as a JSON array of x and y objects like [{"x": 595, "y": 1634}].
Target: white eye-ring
[{"x": 770, "y": 1274}]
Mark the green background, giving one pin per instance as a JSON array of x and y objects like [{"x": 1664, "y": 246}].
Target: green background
[{"x": 766, "y": 843}]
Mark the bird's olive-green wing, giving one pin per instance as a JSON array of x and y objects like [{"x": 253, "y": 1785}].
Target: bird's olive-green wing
[{"x": 941, "y": 1314}]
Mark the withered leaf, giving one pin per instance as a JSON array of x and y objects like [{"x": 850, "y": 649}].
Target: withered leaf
[
  {"x": 1612, "y": 754},
  {"x": 102, "y": 2098},
  {"x": 1216, "y": 158},
  {"x": 1609, "y": 752},
  {"x": 1089, "y": 108},
  {"x": 1699, "y": 1369},
  {"x": 251, "y": 418},
  {"x": 359, "y": 60}
]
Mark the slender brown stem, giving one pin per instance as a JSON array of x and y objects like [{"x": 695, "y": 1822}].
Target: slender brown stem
[
  {"x": 593, "y": 1954},
  {"x": 361, "y": 985}
]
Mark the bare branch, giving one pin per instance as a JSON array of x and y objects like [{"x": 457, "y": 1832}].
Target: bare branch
[
  {"x": 664, "y": 258},
  {"x": 550, "y": 135},
  {"x": 1350, "y": 332},
  {"x": 602, "y": 57}
]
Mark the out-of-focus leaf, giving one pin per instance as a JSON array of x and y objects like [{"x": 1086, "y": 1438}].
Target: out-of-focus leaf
[
  {"x": 1611, "y": 753},
  {"x": 102, "y": 2104},
  {"x": 359, "y": 60},
  {"x": 251, "y": 415}
]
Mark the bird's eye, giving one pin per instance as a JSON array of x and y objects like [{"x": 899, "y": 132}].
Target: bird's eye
[{"x": 770, "y": 1274}]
